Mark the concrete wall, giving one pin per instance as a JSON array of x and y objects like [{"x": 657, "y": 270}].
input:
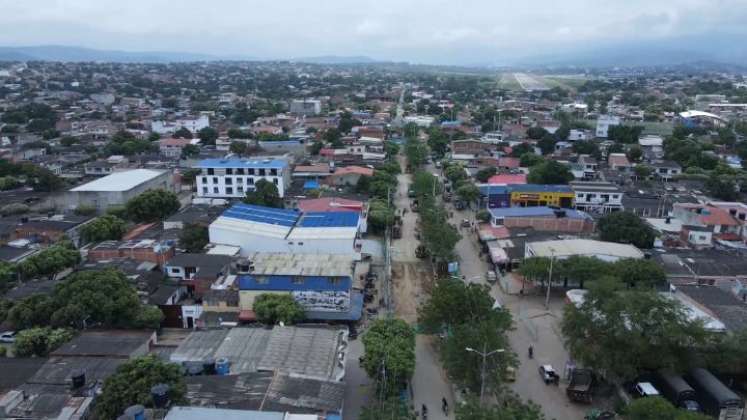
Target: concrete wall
[{"x": 103, "y": 200}]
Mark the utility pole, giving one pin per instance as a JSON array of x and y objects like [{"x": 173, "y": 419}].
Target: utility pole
[
  {"x": 549, "y": 279},
  {"x": 484, "y": 353}
]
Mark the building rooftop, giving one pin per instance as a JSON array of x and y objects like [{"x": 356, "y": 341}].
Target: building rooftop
[
  {"x": 209, "y": 265},
  {"x": 724, "y": 305},
  {"x": 508, "y": 179},
  {"x": 243, "y": 163},
  {"x": 205, "y": 413},
  {"x": 328, "y": 219},
  {"x": 594, "y": 186},
  {"x": 120, "y": 181},
  {"x": 537, "y": 212},
  {"x": 111, "y": 343},
  {"x": 336, "y": 265},
  {"x": 325, "y": 204},
  {"x": 569, "y": 247},
  {"x": 261, "y": 214}
]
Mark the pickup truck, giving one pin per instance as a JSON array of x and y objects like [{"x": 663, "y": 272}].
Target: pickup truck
[{"x": 579, "y": 389}]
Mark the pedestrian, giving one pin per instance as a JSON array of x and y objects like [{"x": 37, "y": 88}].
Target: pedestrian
[{"x": 531, "y": 351}]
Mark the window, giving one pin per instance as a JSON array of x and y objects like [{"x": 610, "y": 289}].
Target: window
[
  {"x": 215, "y": 180},
  {"x": 274, "y": 172},
  {"x": 275, "y": 181},
  {"x": 297, "y": 279},
  {"x": 702, "y": 238},
  {"x": 204, "y": 180},
  {"x": 615, "y": 196},
  {"x": 176, "y": 270},
  {"x": 204, "y": 190},
  {"x": 229, "y": 171},
  {"x": 250, "y": 181},
  {"x": 251, "y": 171},
  {"x": 229, "y": 181},
  {"x": 262, "y": 279},
  {"x": 239, "y": 180},
  {"x": 262, "y": 172},
  {"x": 335, "y": 281},
  {"x": 239, "y": 171},
  {"x": 606, "y": 197},
  {"x": 240, "y": 189},
  {"x": 216, "y": 190},
  {"x": 229, "y": 191},
  {"x": 211, "y": 171}
]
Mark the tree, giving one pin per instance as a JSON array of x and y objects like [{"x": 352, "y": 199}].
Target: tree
[
  {"x": 189, "y": 175},
  {"x": 182, "y": 133},
  {"x": 107, "y": 227},
  {"x": 547, "y": 144},
  {"x": 455, "y": 173},
  {"x": 550, "y": 172},
  {"x": 154, "y": 137},
  {"x": 722, "y": 187},
  {"x": 635, "y": 153},
  {"x": 623, "y": 332},
  {"x": 265, "y": 193},
  {"x": 527, "y": 160},
  {"x": 439, "y": 236},
  {"x": 587, "y": 148},
  {"x": 536, "y": 132},
  {"x": 624, "y": 133},
  {"x": 238, "y": 147},
  {"x": 643, "y": 171},
  {"x": 626, "y": 228},
  {"x": 132, "y": 382},
  {"x": 33, "y": 311},
  {"x": 152, "y": 205},
  {"x": 522, "y": 149},
  {"x": 512, "y": 409},
  {"x": 380, "y": 215},
  {"x": 468, "y": 192},
  {"x": 49, "y": 262},
  {"x": 639, "y": 273},
  {"x": 657, "y": 408},
  {"x": 483, "y": 216},
  {"x": 235, "y": 133},
  {"x": 207, "y": 135},
  {"x": 194, "y": 237},
  {"x": 393, "y": 408},
  {"x": 40, "y": 341},
  {"x": 7, "y": 277},
  {"x": 190, "y": 150},
  {"x": 484, "y": 174},
  {"x": 334, "y": 138},
  {"x": 316, "y": 147},
  {"x": 454, "y": 303},
  {"x": 389, "y": 354},
  {"x": 272, "y": 308},
  {"x": 438, "y": 141}
]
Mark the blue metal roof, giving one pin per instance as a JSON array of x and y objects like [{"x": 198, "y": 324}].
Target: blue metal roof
[
  {"x": 535, "y": 212},
  {"x": 486, "y": 189},
  {"x": 243, "y": 163},
  {"x": 329, "y": 219},
  {"x": 285, "y": 283},
  {"x": 311, "y": 185},
  {"x": 263, "y": 214}
]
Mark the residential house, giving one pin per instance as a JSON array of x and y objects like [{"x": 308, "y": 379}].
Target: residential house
[
  {"x": 348, "y": 175},
  {"x": 666, "y": 169},
  {"x": 597, "y": 196},
  {"x": 619, "y": 162}
]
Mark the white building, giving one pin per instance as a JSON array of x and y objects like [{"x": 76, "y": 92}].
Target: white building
[
  {"x": 419, "y": 120},
  {"x": 306, "y": 107},
  {"x": 600, "y": 197},
  {"x": 579, "y": 135},
  {"x": 603, "y": 124},
  {"x": 168, "y": 127},
  {"x": 117, "y": 188},
  {"x": 265, "y": 229},
  {"x": 233, "y": 178},
  {"x": 562, "y": 249}
]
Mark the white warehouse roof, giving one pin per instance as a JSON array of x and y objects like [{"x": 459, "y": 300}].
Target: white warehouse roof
[
  {"x": 120, "y": 181},
  {"x": 584, "y": 247}
]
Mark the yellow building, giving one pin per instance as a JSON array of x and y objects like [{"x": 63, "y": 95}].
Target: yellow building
[{"x": 533, "y": 195}]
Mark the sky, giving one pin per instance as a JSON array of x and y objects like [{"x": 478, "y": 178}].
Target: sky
[{"x": 432, "y": 31}]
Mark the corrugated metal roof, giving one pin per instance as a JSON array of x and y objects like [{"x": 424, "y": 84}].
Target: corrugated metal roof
[
  {"x": 120, "y": 181},
  {"x": 203, "y": 413},
  {"x": 262, "y": 214},
  {"x": 587, "y": 247},
  {"x": 329, "y": 219}
]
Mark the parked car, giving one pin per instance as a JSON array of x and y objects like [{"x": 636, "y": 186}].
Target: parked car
[
  {"x": 491, "y": 277},
  {"x": 8, "y": 337},
  {"x": 466, "y": 223},
  {"x": 645, "y": 389},
  {"x": 548, "y": 374}
]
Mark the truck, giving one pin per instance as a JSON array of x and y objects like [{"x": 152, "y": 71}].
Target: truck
[
  {"x": 579, "y": 389},
  {"x": 675, "y": 389},
  {"x": 714, "y": 397}
]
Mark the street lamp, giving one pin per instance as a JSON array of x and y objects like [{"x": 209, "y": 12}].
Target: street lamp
[
  {"x": 484, "y": 353},
  {"x": 549, "y": 280}
]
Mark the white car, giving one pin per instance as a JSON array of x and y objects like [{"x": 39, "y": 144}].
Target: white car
[{"x": 8, "y": 337}]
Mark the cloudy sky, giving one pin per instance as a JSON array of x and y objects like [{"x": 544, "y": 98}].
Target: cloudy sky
[{"x": 432, "y": 31}]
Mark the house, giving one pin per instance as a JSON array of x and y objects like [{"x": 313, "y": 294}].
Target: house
[
  {"x": 321, "y": 283},
  {"x": 197, "y": 272},
  {"x": 508, "y": 163},
  {"x": 666, "y": 169},
  {"x": 172, "y": 148},
  {"x": 348, "y": 176},
  {"x": 543, "y": 219},
  {"x": 469, "y": 147},
  {"x": 49, "y": 230},
  {"x": 697, "y": 236},
  {"x": 597, "y": 196},
  {"x": 233, "y": 178},
  {"x": 265, "y": 229},
  {"x": 198, "y": 214},
  {"x": 561, "y": 249},
  {"x": 306, "y": 107},
  {"x": 619, "y": 162},
  {"x": 589, "y": 166},
  {"x": 116, "y": 189},
  {"x": 507, "y": 179},
  {"x": 529, "y": 195},
  {"x": 579, "y": 135},
  {"x": 721, "y": 222},
  {"x": 194, "y": 125}
]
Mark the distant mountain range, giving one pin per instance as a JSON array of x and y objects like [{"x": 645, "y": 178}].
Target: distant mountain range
[
  {"x": 65, "y": 53},
  {"x": 337, "y": 59}
]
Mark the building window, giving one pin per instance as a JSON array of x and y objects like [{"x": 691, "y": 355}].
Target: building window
[
  {"x": 239, "y": 171},
  {"x": 215, "y": 180},
  {"x": 229, "y": 191},
  {"x": 204, "y": 190},
  {"x": 297, "y": 279},
  {"x": 229, "y": 181},
  {"x": 229, "y": 171},
  {"x": 250, "y": 181},
  {"x": 216, "y": 190},
  {"x": 702, "y": 238},
  {"x": 273, "y": 172},
  {"x": 262, "y": 172},
  {"x": 615, "y": 196},
  {"x": 262, "y": 279},
  {"x": 275, "y": 181},
  {"x": 239, "y": 180},
  {"x": 204, "y": 180},
  {"x": 240, "y": 189},
  {"x": 335, "y": 281},
  {"x": 211, "y": 171},
  {"x": 250, "y": 171}
]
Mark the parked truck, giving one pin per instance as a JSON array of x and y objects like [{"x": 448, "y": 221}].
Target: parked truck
[
  {"x": 716, "y": 398},
  {"x": 580, "y": 387},
  {"x": 675, "y": 389}
]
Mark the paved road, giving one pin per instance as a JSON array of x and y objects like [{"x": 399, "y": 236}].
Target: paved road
[
  {"x": 358, "y": 387},
  {"x": 534, "y": 325}
]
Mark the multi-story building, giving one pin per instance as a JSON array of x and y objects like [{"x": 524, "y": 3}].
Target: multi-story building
[
  {"x": 306, "y": 106},
  {"x": 233, "y": 178},
  {"x": 601, "y": 197},
  {"x": 193, "y": 125},
  {"x": 531, "y": 195}
]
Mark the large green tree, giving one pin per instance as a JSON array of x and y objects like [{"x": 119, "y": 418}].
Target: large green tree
[
  {"x": 49, "y": 262},
  {"x": 265, "y": 193},
  {"x": 389, "y": 354},
  {"x": 40, "y": 341},
  {"x": 104, "y": 228},
  {"x": 550, "y": 172},
  {"x": 208, "y": 135},
  {"x": 194, "y": 237},
  {"x": 657, "y": 408},
  {"x": 512, "y": 408},
  {"x": 152, "y": 205},
  {"x": 272, "y": 308},
  {"x": 132, "y": 382},
  {"x": 627, "y": 228}
]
